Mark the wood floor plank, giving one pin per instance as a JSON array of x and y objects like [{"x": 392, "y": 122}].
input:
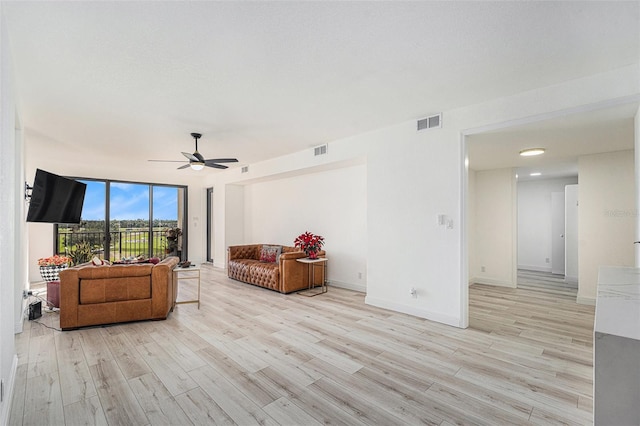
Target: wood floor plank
[
  {"x": 126, "y": 355},
  {"x": 75, "y": 379},
  {"x": 19, "y": 395},
  {"x": 202, "y": 410},
  {"x": 235, "y": 403},
  {"x": 156, "y": 401},
  {"x": 85, "y": 412},
  {"x": 118, "y": 400},
  {"x": 43, "y": 401},
  {"x": 94, "y": 346},
  {"x": 170, "y": 372},
  {"x": 285, "y": 412},
  {"x": 254, "y": 356},
  {"x": 42, "y": 356}
]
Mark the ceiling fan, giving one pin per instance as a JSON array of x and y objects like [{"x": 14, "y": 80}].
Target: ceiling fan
[{"x": 197, "y": 161}]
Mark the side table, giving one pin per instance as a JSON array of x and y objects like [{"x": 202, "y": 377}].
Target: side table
[
  {"x": 312, "y": 291},
  {"x": 188, "y": 273}
]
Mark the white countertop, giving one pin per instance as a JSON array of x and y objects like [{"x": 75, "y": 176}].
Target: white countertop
[{"x": 618, "y": 302}]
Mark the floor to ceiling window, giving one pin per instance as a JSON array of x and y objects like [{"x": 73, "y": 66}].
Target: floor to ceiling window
[{"x": 127, "y": 220}]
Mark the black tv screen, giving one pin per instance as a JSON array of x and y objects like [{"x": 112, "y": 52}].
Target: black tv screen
[{"x": 55, "y": 199}]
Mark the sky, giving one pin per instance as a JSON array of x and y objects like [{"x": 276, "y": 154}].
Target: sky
[{"x": 129, "y": 201}]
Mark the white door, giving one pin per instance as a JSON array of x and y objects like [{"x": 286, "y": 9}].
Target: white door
[
  {"x": 571, "y": 233},
  {"x": 557, "y": 233}
]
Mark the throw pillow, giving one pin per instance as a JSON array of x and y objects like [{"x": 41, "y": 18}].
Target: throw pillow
[
  {"x": 270, "y": 253},
  {"x": 98, "y": 262}
]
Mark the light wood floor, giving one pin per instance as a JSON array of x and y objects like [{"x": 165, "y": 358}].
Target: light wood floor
[
  {"x": 252, "y": 356},
  {"x": 548, "y": 283}
]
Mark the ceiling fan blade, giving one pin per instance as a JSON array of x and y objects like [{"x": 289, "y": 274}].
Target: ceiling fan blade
[
  {"x": 168, "y": 161},
  {"x": 215, "y": 166},
  {"x": 183, "y": 167},
  {"x": 221, "y": 160},
  {"x": 191, "y": 157}
]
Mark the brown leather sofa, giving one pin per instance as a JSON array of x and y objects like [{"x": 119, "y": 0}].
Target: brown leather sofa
[
  {"x": 286, "y": 275},
  {"x": 94, "y": 295}
]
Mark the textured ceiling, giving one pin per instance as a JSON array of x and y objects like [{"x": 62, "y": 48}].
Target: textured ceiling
[{"x": 263, "y": 79}]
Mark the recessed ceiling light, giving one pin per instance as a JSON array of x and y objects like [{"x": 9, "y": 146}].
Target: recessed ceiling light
[
  {"x": 535, "y": 174},
  {"x": 530, "y": 152}
]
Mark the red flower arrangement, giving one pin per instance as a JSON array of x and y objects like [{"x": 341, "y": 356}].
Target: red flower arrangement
[{"x": 310, "y": 244}]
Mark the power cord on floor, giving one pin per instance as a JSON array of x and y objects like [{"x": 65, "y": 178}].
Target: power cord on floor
[
  {"x": 49, "y": 308},
  {"x": 45, "y": 325}
]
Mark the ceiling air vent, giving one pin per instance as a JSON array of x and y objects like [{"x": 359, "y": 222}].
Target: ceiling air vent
[
  {"x": 320, "y": 150},
  {"x": 432, "y": 122},
  {"x": 245, "y": 169}
]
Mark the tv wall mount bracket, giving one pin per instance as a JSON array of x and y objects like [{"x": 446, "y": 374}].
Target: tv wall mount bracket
[{"x": 27, "y": 191}]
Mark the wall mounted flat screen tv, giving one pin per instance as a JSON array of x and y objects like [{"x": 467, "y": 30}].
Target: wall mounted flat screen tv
[{"x": 55, "y": 199}]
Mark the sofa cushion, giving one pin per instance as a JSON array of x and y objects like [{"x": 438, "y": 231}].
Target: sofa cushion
[
  {"x": 265, "y": 275},
  {"x": 103, "y": 290},
  {"x": 270, "y": 253},
  {"x": 239, "y": 269}
]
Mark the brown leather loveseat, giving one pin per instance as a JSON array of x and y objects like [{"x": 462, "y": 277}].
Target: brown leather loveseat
[
  {"x": 285, "y": 275},
  {"x": 93, "y": 295}
]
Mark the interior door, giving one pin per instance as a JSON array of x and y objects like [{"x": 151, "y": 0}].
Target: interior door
[{"x": 557, "y": 233}]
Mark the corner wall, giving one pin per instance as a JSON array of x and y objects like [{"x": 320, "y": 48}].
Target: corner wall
[
  {"x": 494, "y": 236},
  {"x": 330, "y": 203},
  {"x": 12, "y": 244}
]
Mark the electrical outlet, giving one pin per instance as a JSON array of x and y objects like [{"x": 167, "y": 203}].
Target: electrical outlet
[
  {"x": 26, "y": 293},
  {"x": 483, "y": 269},
  {"x": 547, "y": 260},
  {"x": 359, "y": 275},
  {"x": 413, "y": 293}
]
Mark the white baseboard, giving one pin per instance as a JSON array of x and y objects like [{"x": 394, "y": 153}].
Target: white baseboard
[
  {"x": 491, "y": 281},
  {"x": 8, "y": 391},
  {"x": 412, "y": 310},
  {"x": 586, "y": 301},
  {"x": 362, "y": 288}
]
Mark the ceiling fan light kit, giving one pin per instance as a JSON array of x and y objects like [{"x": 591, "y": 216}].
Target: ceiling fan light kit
[
  {"x": 197, "y": 161},
  {"x": 530, "y": 152}
]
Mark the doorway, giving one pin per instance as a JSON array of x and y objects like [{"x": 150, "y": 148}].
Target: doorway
[
  {"x": 542, "y": 220},
  {"x": 210, "y": 226}
]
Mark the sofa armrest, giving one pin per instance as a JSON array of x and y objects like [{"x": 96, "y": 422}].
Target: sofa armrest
[
  {"x": 292, "y": 255},
  {"x": 163, "y": 288},
  {"x": 69, "y": 298}
]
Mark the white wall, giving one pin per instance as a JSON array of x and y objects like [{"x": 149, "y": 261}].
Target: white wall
[
  {"x": 534, "y": 221},
  {"x": 571, "y": 233},
  {"x": 607, "y": 216},
  {"x": 12, "y": 279},
  {"x": 235, "y": 213},
  {"x": 637, "y": 182},
  {"x": 495, "y": 228},
  {"x": 473, "y": 265},
  {"x": 412, "y": 177},
  {"x": 330, "y": 203}
]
